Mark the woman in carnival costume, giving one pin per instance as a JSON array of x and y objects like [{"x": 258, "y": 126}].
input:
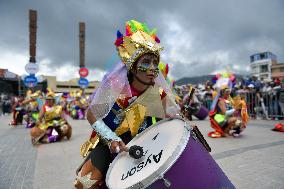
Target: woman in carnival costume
[
  {"x": 51, "y": 125},
  {"x": 33, "y": 105},
  {"x": 19, "y": 108},
  {"x": 18, "y": 112},
  {"x": 63, "y": 102},
  {"x": 69, "y": 102},
  {"x": 228, "y": 116},
  {"x": 238, "y": 102},
  {"x": 72, "y": 104},
  {"x": 78, "y": 105},
  {"x": 131, "y": 97}
]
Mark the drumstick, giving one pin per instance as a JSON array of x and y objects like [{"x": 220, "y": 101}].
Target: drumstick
[
  {"x": 190, "y": 95},
  {"x": 198, "y": 134},
  {"x": 201, "y": 138},
  {"x": 195, "y": 128},
  {"x": 191, "y": 92}
]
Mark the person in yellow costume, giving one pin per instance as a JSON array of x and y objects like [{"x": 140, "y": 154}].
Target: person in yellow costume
[
  {"x": 224, "y": 111},
  {"x": 79, "y": 105},
  {"x": 239, "y": 104},
  {"x": 131, "y": 97},
  {"x": 33, "y": 103},
  {"x": 70, "y": 100},
  {"x": 228, "y": 116},
  {"x": 51, "y": 125}
]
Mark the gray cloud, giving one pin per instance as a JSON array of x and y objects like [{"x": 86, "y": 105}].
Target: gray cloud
[{"x": 200, "y": 37}]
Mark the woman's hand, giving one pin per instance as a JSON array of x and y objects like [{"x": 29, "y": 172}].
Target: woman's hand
[{"x": 117, "y": 147}]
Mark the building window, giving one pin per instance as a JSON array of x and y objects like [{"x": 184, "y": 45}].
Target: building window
[
  {"x": 74, "y": 87},
  {"x": 251, "y": 58},
  {"x": 62, "y": 86},
  {"x": 281, "y": 69},
  {"x": 262, "y": 56},
  {"x": 256, "y": 57},
  {"x": 263, "y": 68}
]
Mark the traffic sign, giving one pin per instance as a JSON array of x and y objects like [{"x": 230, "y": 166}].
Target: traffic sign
[
  {"x": 83, "y": 82},
  {"x": 30, "y": 81},
  {"x": 83, "y": 72},
  {"x": 31, "y": 68}
]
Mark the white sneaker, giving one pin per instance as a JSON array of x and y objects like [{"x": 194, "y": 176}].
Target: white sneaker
[
  {"x": 236, "y": 135},
  {"x": 231, "y": 132}
]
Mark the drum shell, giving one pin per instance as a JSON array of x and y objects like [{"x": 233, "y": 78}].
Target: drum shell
[
  {"x": 202, "y": 113},
  {"x": 188, "y": 166},
  {"x": 194, "y": 169}
]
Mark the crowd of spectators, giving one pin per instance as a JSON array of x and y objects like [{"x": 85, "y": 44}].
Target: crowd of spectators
[
  {"x": 6, "y": 102},
  {"x": 265, "y": 99}
]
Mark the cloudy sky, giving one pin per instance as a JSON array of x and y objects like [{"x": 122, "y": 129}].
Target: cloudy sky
[{"x": 199, "y": 36}]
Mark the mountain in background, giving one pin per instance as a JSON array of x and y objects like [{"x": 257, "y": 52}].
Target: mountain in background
[{"x": 200, "y": 79}]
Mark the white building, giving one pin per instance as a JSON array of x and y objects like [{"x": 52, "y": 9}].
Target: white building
[
  {"x": 68, "y": 86},
  {"x": 261, "y": 63}
]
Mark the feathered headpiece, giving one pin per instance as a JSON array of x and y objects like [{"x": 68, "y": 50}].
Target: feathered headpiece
[
  {"x": 164, "y": 69},
  {"x": 50, "y": 94},
  {"x": 224, "y": 80},
  {"x": 138, "y": 40}
]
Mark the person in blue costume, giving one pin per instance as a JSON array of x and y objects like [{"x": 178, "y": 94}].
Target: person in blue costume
[{"x": 131, "y": 97}]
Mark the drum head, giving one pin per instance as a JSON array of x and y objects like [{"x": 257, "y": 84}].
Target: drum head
[{"x": 162, "y": 143}]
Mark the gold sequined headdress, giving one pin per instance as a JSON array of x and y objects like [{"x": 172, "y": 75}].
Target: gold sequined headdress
[{"x": 137, "y": 41}]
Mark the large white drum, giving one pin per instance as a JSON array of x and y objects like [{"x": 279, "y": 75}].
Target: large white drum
[
  {"x": 173, "y": 158},
  {"x": 162, "y": 144}
]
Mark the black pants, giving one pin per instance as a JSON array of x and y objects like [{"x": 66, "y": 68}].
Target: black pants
[
  {"x": 224, "y": 124},
  {"x": 101, "y": 157}
]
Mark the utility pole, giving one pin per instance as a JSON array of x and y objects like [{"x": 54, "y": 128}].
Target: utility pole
[
  {"x": 33, "y": 30},
  {"x": 82, "y": 44},
  {"x": 83, "y": 72},
  {"x": 32, "y": 68}
]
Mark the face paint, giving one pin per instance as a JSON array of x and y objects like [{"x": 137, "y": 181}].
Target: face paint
[
  {"x": 147, "y": 69},
  {"x": 145, "y": 66}
]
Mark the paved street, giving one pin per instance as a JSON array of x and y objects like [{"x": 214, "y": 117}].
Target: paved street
[{"x": 255, "y": 160}]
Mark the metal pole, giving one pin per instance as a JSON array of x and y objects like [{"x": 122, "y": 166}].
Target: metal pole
[
  {"x": 82, "y": 44},
  {"x": 33, "y": 30}
]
